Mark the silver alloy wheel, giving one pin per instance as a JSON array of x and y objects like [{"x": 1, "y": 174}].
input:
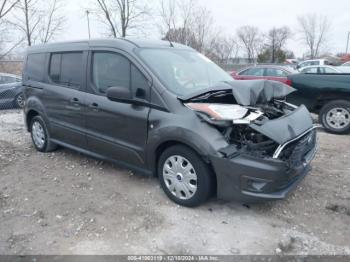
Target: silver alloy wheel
[
  {"x": 180, "y": 177},
  {"x": 38, "y": 134},
  {"x": 338, "y": 118},
  {"x": 20, "y": 100}
]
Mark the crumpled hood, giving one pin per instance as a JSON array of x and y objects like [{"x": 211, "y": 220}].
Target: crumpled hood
[
  {"x": 252, "y": 92},
  {"x": 249, "y": 92},
  {"x": 286, "y": 128}
]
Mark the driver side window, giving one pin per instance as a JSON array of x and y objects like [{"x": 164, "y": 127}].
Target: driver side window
[
  {"x": 110, "y": 69},
  {"x": 115, "y": 70}
]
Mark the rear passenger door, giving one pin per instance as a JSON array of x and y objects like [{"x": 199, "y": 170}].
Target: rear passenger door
[
  {"x": 64, "y": 97},
  {"x": 116, "y": 130}
]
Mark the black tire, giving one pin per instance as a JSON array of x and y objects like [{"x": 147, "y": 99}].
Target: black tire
[
  {"x": 204, "y": 175},
  {"x": 19, "y": 100},
  {"x": 47, "y": 145},
  {"x": 328, "y": 124}
]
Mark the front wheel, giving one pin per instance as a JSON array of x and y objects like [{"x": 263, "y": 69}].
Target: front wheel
[
  {"x": 335, "y": 116},
  {"x": 184, "y": 176}
]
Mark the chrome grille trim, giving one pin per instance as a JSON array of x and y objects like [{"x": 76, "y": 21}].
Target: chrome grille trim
[{"x": 281, "y": 147}]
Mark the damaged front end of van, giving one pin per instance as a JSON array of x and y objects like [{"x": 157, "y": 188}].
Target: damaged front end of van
[{"x": 270, "y": 142}]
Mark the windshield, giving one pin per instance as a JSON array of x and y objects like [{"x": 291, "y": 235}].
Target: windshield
[{"x": 184, "y": 71}]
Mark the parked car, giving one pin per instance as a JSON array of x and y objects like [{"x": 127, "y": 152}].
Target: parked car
[
  {"x": 346, "y": 64},
  {"x": 325, "y": 70},
  {"x": 291, "y": 61},
  {"x": 327, "y": 95},
  {"x": 163, "y": 109},
  {"x": 315, "y": 62},
  {"x": 268, "y": 72},
  {"x": 11, "y": 91}
]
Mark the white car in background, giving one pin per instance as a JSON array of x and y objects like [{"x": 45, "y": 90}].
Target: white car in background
[
  {"x": 324, "y": 70},
  {"x": 315, "y": 62},
  {"x": 346, "y": 64}
]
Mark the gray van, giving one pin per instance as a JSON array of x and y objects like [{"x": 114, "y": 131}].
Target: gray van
[{"x": 162, "y": 109}]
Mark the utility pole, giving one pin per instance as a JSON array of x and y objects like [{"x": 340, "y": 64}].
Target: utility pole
[
  {"x": 347, "y": 43},
  {"x": 88, "y": 22}
]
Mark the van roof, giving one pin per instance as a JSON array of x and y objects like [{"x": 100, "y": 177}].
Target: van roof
[{"x": 122, "y": 43}]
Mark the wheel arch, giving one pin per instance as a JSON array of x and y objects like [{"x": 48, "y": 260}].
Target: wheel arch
[
  {"x": 29, "y": 116},
  {"x": 33, "y": 107},
  {"x": 169, "y": 143},
  {"x": 325, "y": 98}
]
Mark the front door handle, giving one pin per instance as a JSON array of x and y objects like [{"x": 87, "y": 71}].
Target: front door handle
[
  {"x": 73, "y": 104},
  {"x": 94, "y": 107},
  {"x": 74, "y": 100}
]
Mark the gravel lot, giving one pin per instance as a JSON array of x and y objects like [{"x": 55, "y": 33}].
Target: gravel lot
[{"x": 68, "y": 203}]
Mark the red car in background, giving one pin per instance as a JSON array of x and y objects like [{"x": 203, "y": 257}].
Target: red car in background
[{"x": 268, "y": 72}]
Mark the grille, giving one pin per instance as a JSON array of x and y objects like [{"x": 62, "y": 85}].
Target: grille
[{"x": 296, "y": 153}]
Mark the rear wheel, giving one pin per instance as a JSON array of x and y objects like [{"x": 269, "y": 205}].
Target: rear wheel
[
  {"x": 335, "y": 116},
  {"x": 40, "y": 135},
  {"x": 184, "y": 176}
]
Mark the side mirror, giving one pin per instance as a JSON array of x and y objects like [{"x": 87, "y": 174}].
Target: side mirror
[{"x": 119, "y": 94}]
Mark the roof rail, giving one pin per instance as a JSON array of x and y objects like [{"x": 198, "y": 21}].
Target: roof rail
[{"x": 128, "y": 40}]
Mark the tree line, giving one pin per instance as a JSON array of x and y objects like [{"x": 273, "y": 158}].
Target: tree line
[{"x": 29, "y": 22}]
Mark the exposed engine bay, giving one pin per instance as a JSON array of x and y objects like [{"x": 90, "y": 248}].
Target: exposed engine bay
[
  {"x": 255, "y": 124},
  {"x": 233, "y": 121}
]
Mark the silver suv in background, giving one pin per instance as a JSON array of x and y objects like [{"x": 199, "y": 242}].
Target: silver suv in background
[{"x": 314, "y": 62}]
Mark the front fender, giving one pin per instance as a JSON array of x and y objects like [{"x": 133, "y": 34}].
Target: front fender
[{"x": 185, "y": 129}]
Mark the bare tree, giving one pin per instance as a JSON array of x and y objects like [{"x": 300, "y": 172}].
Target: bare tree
[
  {"x": 27, "y": 19},
  {"x": 249, "y": 37},
  {"x": 120, "y": 16},
  {"x": 38, "y": 20},
  {"x": 222, "y": 49},
  {"x": 202, "y": 27},
  {"x": 276, "y": 39},
  {"x": 187, "y": 23},
  {"x": 7, "y": 43},
  {"x": 53, "y": 23},
  {"x": 314, "y": 31},
  {"x": 6, "y": 6},
  {"x": 168, "y": 15},
  {"x": 177, "y": 20}
]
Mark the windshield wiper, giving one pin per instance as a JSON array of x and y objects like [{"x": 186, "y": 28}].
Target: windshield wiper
[{"x": 210, "y": 94}]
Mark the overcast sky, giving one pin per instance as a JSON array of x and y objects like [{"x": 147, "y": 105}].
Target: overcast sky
[{"x": 231, "y": 14}]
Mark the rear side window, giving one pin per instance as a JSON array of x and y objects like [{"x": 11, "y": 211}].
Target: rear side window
[
  {"x": 109, "y": 70},
  {"x": 253, "y": 72},
  {"x": 327, "y": 70},
  {"x": 275, "y": 72},
  {"x": 35, "y": 68},
  {"x": 67, "y": 69},
  {"x": 312, "y": 70}
]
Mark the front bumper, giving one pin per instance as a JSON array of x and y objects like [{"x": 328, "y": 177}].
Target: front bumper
[{"x": 250, "y": 179}]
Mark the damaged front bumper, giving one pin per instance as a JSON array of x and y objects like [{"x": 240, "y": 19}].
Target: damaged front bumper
[{"x": 248, "y": 178}]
